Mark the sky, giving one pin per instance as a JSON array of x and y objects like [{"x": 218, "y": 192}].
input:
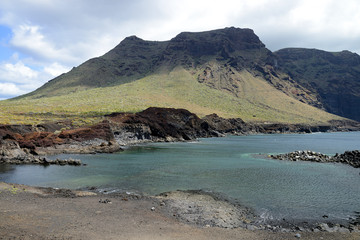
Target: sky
[{"x": 41, "y": 39}]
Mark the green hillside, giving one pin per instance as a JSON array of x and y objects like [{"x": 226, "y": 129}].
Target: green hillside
[
  {"x": 226, "y": 71},
  {"x": 257, "y": 100}
]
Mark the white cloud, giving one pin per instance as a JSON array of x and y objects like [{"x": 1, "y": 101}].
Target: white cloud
[
  {"x": 10, "y": 89},
  {"x": 55, "y": 69},
  {"x": 18, "y": 78},
  {"x": 17, "y": 73},
  {"x": 53, "y": 36},
  {"x": 32, "y": 41}
]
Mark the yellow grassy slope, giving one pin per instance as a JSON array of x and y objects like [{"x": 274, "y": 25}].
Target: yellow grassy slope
[{"x": 256, "y": 100}]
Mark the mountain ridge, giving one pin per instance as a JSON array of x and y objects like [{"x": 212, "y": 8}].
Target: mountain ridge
[
  {"x": 134, "y": 57},
  {"x": 229, "y": 61}
]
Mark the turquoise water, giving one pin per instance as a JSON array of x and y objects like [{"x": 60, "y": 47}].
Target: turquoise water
[{"x": 231, "y": 166}]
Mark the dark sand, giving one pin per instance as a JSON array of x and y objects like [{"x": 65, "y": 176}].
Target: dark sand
[{"x": 38, "y": 213}]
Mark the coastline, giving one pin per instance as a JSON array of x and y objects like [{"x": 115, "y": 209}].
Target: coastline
[
  {"x": 112, "y": 135},
  {"x": 24, "y": 144},
  {"x": 46, "y": 213}
]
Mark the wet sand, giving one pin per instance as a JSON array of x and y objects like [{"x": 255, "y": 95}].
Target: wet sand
[{"x": 43, "y": 213}]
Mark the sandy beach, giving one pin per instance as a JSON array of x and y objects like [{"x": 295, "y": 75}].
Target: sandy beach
[{"x": 43, "y": 213}]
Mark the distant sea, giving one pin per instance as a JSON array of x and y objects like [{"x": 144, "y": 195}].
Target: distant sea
[{"x": 234, "y": 166}]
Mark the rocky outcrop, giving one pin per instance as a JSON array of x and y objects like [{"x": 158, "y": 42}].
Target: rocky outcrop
[
  {"x": 12, "y": 153},
  {"x": 220, "y": 126},
  {"x": 27, "y": 143},
  {"x": 332, "y": 126},
  {"x": 351, "y": 158},
  {"x": 158, "y": 124},
  {"x": 169, "y": 124}
]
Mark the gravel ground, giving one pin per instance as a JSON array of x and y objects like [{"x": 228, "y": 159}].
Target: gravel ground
[{"x": 44, "y": 213}]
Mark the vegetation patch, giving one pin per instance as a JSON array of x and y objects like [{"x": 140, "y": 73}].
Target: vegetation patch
[{"x": 256, "y": 101}]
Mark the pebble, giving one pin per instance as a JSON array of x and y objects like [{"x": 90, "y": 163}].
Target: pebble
[
  {"x": 251, "y": 227},
  {"x": 104, "y": 201},
  {"x": 298, "y": 235},
  {"x": 153, "y": 209}
]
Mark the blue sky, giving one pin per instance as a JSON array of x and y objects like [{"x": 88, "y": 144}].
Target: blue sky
[
  {"x": 5, "y": 51},
  {"x": 40, "y": 39}
]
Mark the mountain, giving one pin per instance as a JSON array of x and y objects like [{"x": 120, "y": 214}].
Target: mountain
[
  {"x": 135, "y": 58},
  {"x": 228, "y": 71},
  {"x": 333, "y": 76}
]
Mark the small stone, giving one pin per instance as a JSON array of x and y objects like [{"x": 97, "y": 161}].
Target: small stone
[
  {"x": 105, "y": 201},
  {"x": 343, "y": 230},
  {"x": 153, "y": 209},
  {"x": 162, "y": 204},
  {"x": 301, "y": 229},
  {"x": 298, "y": 235},
  {"x": 251, "y": 227}
]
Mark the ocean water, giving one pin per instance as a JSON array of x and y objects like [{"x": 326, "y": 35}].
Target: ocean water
[{"x": 233, "y": 166}]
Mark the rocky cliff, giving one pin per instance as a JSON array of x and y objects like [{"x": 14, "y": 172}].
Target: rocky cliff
[{"x": 334, "y": 77}]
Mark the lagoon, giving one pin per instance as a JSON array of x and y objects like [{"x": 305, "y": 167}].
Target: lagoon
[{"x": 234, "y": 166}]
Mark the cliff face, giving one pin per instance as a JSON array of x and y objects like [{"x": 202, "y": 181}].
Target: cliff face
[{"x": 333, "y": 77}]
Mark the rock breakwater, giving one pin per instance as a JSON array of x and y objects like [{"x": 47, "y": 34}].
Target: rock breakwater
[{"x": 351, "y": 158}]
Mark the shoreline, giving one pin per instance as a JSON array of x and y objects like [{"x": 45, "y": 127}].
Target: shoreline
[
  {"x": 196, "y": 208},
  {"x": 31, "y": 144},
  {"x": 192, "y": 211},
  {"x": 46, "y": 213}
]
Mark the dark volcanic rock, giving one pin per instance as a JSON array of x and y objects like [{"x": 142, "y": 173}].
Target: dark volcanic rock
[
  {"x": 219, "y": 125},
  {"x": 38, "y": 139},
  {"x": 10, "y": 131},
  {"x": 304, "y": 156},
  {"x": 176, "y": 123},
  {"x": 22, "y": 144},
  {"x": 167, "y": 124},
  {"x": 351, "y": 158},
  {"x": 99, "y": 131},
  {"x": 332, "y": 76}
]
